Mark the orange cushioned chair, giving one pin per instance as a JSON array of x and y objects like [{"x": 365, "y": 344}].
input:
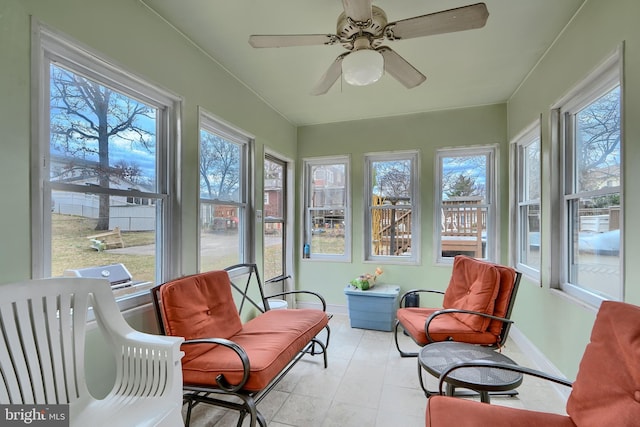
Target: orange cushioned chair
[
  {"x": 476, "y": 307},
  {"x": 225, "y": 356},
  {"x": 606, "y": 391}
]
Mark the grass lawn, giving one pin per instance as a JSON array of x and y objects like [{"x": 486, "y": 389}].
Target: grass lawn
[{"x": 71, "y": 249}]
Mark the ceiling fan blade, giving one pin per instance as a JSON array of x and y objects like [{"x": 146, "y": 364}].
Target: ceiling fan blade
[
  {"x": 400, "y": 69},
  {"x": 446, "y": 21},
  {"x": 292, "y": 40},
  {"x": 358, "y": 10},
  {"x": 330, "y": 76}
]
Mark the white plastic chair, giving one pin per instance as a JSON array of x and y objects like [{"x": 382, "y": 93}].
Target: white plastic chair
[{"x": 42, "y": 355}]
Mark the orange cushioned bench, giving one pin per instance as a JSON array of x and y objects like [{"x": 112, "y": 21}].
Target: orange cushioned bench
[{"x": 223, "y": 355}]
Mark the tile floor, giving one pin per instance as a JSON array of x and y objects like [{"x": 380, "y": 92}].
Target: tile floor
[{"x": 366, "y": 384}]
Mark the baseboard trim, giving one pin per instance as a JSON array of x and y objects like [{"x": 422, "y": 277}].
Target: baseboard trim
[
  {"x": 539, "y": 360},
  {"x": 331, "y": 308}
]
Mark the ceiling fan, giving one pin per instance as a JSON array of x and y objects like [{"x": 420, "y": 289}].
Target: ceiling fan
[{"x": 362, "y": 28}]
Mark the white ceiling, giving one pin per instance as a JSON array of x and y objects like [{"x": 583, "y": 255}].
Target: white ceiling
[{"x": 463, "y": 69}]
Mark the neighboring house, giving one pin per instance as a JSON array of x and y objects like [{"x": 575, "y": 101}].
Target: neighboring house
[{"x": 130, "y": 213}]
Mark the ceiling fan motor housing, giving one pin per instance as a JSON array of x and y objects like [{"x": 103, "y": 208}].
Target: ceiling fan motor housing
[{"x": 373, "y": 29}]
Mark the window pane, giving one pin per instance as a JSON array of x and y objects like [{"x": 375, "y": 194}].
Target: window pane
[
  {"x": 100, "y": 138},
  {"x": 325, "y": 215},
  {"x": 273, "y": 256},
  {"x": 273, "y": 189},
  {"x": 220, "y": 236},
  {"x": 464, "y": 209},
  {"x": 392, "y": 181},
  {"x": 391, "y": 212},
  {"x": 220, "y": 168},
  {"x": 223, "y": 196},
  {"x": 76, "y": 242},
  {"x": 327, "y": 232},
  {"x": 328, "y": 186},
  {"x": 530, "y": 236},
  {"x": 391, "y": 230},
  {"x": 274, "y": 221},
  {"x": 102, "y": 142},
  {"x": 463, "y": 228},
  {"x": 597, "y": 142},
  {"x": 531, "y": 160},
  {"x": 595, "y": 245}
]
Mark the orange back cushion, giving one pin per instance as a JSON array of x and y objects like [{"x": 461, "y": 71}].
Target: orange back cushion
[
  {"x": 606, "y": 391},
  {"x": 507, "y": 281},
  {"x": 473, "y": 286},
  {"x": 200, "y": 306}
]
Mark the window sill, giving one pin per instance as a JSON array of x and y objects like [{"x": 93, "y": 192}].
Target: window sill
[{"x": 133, "y": 296}]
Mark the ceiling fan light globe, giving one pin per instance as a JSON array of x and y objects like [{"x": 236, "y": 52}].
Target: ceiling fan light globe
[{"x": 362, "y": 67}]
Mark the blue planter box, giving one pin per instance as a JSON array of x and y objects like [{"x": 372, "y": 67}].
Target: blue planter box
[{"x": 374, "y": 308}]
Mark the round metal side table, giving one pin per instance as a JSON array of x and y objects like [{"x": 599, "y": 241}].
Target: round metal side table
[{"x": 435, "y": 358}]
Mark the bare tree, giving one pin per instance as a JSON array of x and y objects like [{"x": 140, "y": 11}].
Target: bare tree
[
  {"x": 598, "y": 136},
  {"x": 393, "y": 179},
  {"x": 85, "y": 118},
  {"x": 219, "y": 167}
]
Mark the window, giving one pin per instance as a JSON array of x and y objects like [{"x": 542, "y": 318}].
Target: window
[
  {"x": 392, "y": 217},
  {"x": 591, "y": 205},
  {"x": 466, "y": 203},
  {"x": 275, "y": 217},
  {"x": 225, "y": 234},
  {"x": 327, "y": 203},
  {"x": 527, "y": 185},
  {"x": 103, "y": 167}
]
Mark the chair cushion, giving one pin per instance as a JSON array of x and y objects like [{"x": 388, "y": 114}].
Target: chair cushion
[
  {"x": 455, "y": 412},
  {"x": 442, "y": 328},
  {"x": 473, "y": 286},
  {"x": 606, "y": 391},
  {"x": 507, "y": 281},
  {"x": 270, "y": 340},
  {"x": 199, "y": 306},
  {"x": 412, "y": 320}
]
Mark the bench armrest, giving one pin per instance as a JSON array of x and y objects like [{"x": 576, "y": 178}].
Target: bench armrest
[
  {"x": 242, "y": 355},
  {"x": 315, "y": 294}
]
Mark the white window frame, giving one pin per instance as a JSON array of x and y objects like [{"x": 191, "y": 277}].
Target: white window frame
[
  {"x": 214, "y": 125},
  {"x": 49, "y": 46},
  {"x": 287, "y": 222},
  {"x": 306, "y": 235},
  {"x": 607, "y": 76},
  {"x": 521, "y": 198},
  {"x": 492, "y": 199},
  {"x": 416, "y": 224}
]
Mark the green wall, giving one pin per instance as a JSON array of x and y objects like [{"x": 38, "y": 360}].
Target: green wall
[
  {"x": 556, "y": 324},
  {"x": 424, "y": 132},
  {"x": 145, "y": 45}
]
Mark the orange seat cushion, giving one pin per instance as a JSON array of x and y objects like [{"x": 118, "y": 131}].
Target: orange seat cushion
[
  {"x": 442, "y": 328},
  {"x": 445, "y": 411},
  {"x": 271, "y": 341},
  {"x": 474, "y": 286},
  {"x": 606, "y": 391}
]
